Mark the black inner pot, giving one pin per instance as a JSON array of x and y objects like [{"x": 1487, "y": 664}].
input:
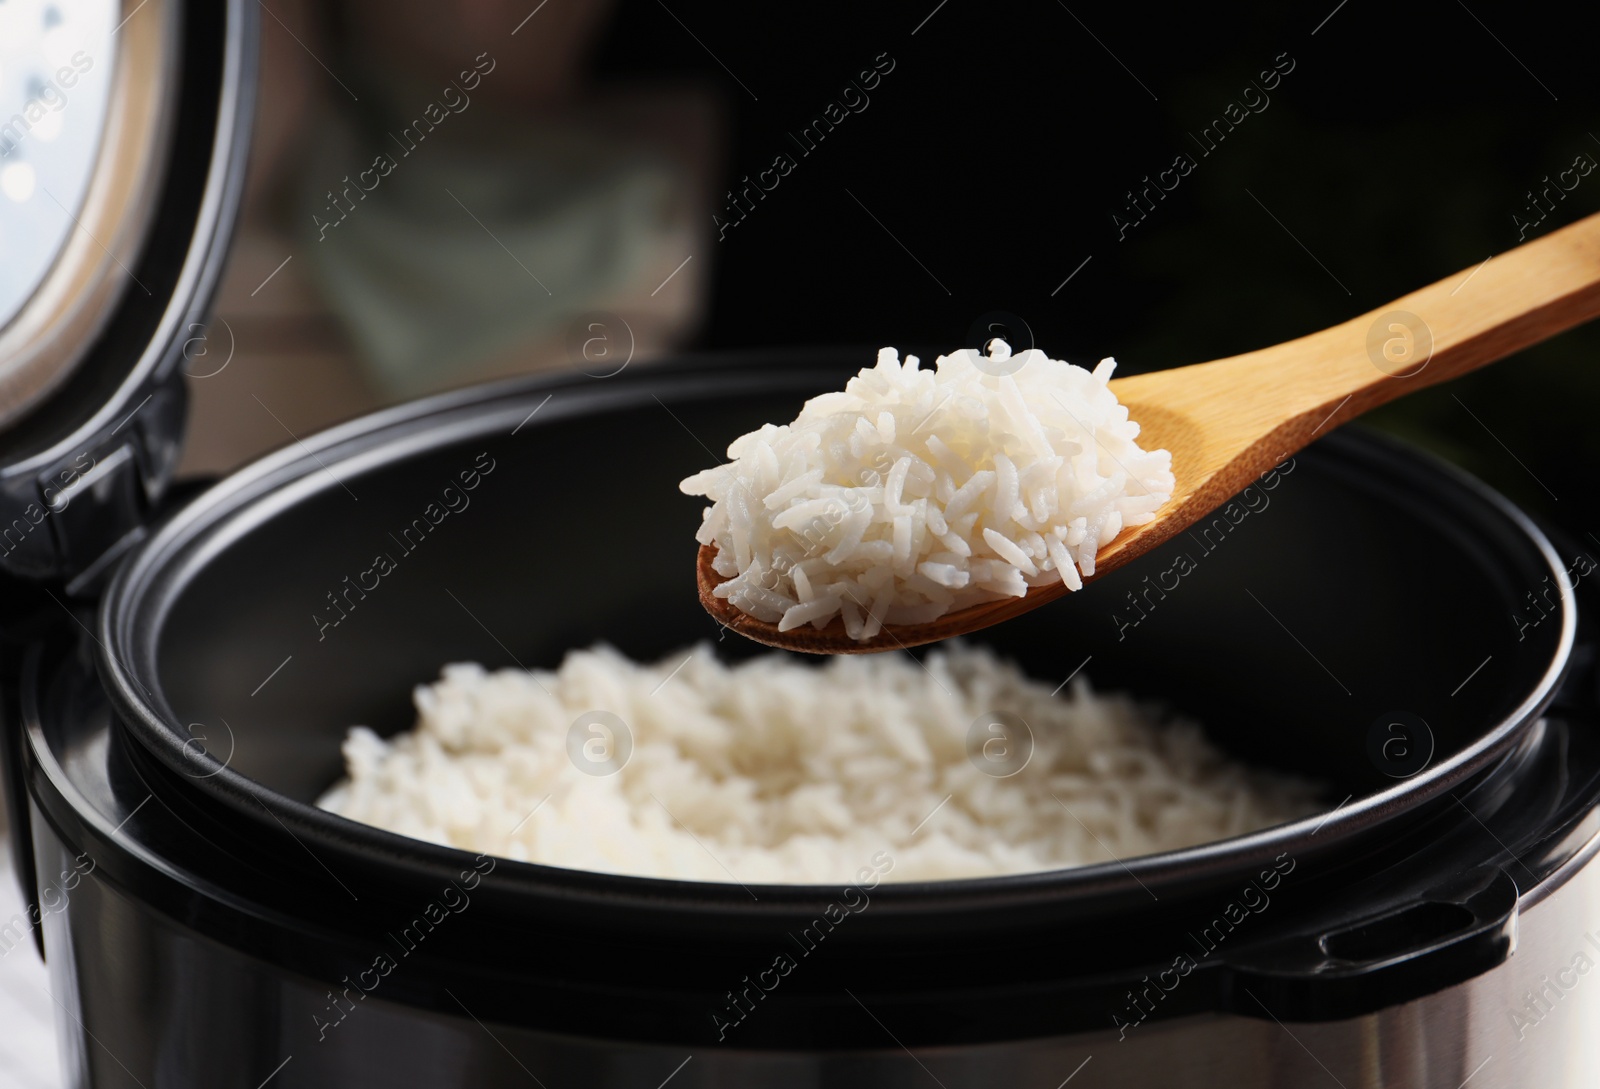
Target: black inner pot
[
  {"x": 1335, "y": 591},
  {"x": 1358, "y": 581}
]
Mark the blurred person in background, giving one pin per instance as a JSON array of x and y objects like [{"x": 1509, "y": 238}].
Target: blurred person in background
[{"x": 434, "y": 201}]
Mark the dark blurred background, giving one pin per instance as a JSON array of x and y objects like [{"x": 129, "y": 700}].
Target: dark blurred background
[{"x": 980, "y": 172}]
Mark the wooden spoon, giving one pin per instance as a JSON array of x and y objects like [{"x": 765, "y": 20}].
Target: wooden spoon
[{"x": 1228, "y": 421}]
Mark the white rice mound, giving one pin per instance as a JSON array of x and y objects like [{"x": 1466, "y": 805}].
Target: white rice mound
[
  {"x": 778, "y": 772},
  {"x": 914, "y": 493}
]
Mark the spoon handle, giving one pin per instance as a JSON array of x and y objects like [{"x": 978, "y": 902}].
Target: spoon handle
[
  {"x": 1229, "y": 420},
  {"x": 1439, "y": 332}
]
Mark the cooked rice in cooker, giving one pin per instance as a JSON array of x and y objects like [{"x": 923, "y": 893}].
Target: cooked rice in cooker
[
  {"x": 913, "y": 493},
  {"x": 778, "y": 771}
]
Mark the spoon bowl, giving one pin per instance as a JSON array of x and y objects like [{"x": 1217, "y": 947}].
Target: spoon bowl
[{"x": 1228, "y": 421}]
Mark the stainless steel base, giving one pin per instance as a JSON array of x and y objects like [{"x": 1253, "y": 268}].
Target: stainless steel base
[{"x": 148, "y": 1003}]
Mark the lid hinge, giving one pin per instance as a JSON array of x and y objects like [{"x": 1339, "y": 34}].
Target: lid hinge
[{"x": 96, "y": 509}]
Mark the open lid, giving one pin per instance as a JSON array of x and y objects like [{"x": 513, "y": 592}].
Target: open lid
[{"x": 123, "y": 131}]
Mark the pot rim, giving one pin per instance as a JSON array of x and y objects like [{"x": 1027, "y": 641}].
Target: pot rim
[{"x": 134, "y": 609}]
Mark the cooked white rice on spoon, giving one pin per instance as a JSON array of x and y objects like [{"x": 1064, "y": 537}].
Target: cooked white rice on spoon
[{"x": 913, "y": 492}]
